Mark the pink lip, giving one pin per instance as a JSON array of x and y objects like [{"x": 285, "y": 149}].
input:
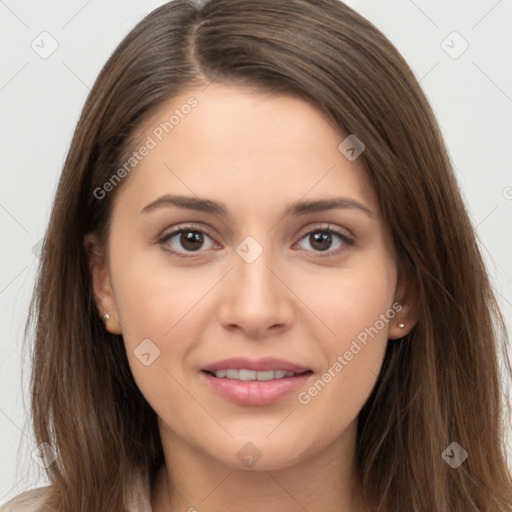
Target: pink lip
[
  {"x": 255, "y": 392},
  {"x": 259, "y": 365}
]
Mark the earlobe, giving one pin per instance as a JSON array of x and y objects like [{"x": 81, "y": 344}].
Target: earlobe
[
  {"x": 402, "y": 324},
  {"x": 101, "y": 284},
  {"x": 407, "y": 316}
]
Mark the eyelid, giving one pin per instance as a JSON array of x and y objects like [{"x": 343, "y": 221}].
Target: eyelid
[
  {"x": 190, "y": 226},
  {"x": 326, "y": 226}
]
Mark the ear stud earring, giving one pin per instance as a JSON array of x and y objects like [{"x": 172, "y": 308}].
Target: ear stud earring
[
  {"x": 401, "y": 325},
  {"x": 105, "y": 317}
]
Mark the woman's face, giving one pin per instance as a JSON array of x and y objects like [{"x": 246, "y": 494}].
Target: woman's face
[{"x": 254, "y": 276}]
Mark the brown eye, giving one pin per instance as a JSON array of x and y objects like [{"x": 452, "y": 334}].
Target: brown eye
[
  {"x": 326, "y": 240},
  {"x": 191, "y": 240},
  {"x": 186, "y": 240},
  {"x": 320, "y": 240}
]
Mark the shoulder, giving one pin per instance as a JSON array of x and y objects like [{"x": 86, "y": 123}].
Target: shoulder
[
  {"x": 28, "y": 501},
  {"x": 35, "y": 500}
]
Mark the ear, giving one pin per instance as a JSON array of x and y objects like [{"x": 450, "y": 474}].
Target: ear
[
  {"x": 101, "y": 283},
  {"x": 407, "y": 296}
]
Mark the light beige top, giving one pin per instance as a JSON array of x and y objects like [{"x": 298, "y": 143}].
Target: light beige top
[
  {"x": 28, "y": 501},
  {"x": 32, "y": 500}
]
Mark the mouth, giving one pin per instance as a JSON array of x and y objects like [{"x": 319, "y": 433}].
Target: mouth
[
  {"x": 253, "y": 375},
  {"x": 254, "y": 383}
]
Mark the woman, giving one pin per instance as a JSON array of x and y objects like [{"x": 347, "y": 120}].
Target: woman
[{"x": 259, "y": 287}]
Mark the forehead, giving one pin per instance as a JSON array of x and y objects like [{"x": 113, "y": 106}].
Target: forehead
[{"x": 236, "y": 144}]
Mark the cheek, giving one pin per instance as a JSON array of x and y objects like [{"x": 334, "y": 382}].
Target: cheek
[
  {"x": 156, "y": 305},
  {"x": 354, "y": 300},
  {"x": 359, "y": 310},
  {"x": 153, "y": 297}
]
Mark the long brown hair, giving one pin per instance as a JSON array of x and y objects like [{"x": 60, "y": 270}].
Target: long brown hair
[{"x": 438, "y": 385}]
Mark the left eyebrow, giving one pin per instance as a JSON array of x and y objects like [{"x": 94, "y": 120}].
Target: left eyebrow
[
  {"x": 295, "y": 209},
  {"x": 321, "y": 205}
]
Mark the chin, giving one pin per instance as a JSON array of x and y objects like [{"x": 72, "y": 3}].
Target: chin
[{"x": 261, "y": 454}]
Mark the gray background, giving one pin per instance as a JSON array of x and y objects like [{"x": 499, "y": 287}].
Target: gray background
[{"x": 41, "y": 98}]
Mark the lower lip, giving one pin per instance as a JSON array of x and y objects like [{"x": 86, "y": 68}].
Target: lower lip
[{"x": 256, "y": 392}]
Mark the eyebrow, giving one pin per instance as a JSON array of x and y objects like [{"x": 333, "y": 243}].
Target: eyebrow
[{"x": 296, "y": 208}]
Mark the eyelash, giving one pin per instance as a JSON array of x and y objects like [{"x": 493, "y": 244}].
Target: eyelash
[{"x": 347, "y": 242}]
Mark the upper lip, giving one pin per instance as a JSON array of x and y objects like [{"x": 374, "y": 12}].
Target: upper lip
[{"x": 263, "y": 364}]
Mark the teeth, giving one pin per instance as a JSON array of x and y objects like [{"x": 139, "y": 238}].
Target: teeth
[
  {"x": 268, "y": 375},
  {"x": 246, "y": 375},
  {"x": 251, "y": 375}
]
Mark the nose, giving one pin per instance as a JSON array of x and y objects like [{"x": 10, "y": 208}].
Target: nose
[{"x": 256, "y": 299}]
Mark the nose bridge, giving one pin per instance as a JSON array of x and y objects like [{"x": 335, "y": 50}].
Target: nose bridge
[
  {"x": 252, "y": 263},
  {"x": 256, "y": 299}
]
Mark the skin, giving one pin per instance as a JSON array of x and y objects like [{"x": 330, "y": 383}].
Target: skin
[{"x": 256, "y": 153}]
